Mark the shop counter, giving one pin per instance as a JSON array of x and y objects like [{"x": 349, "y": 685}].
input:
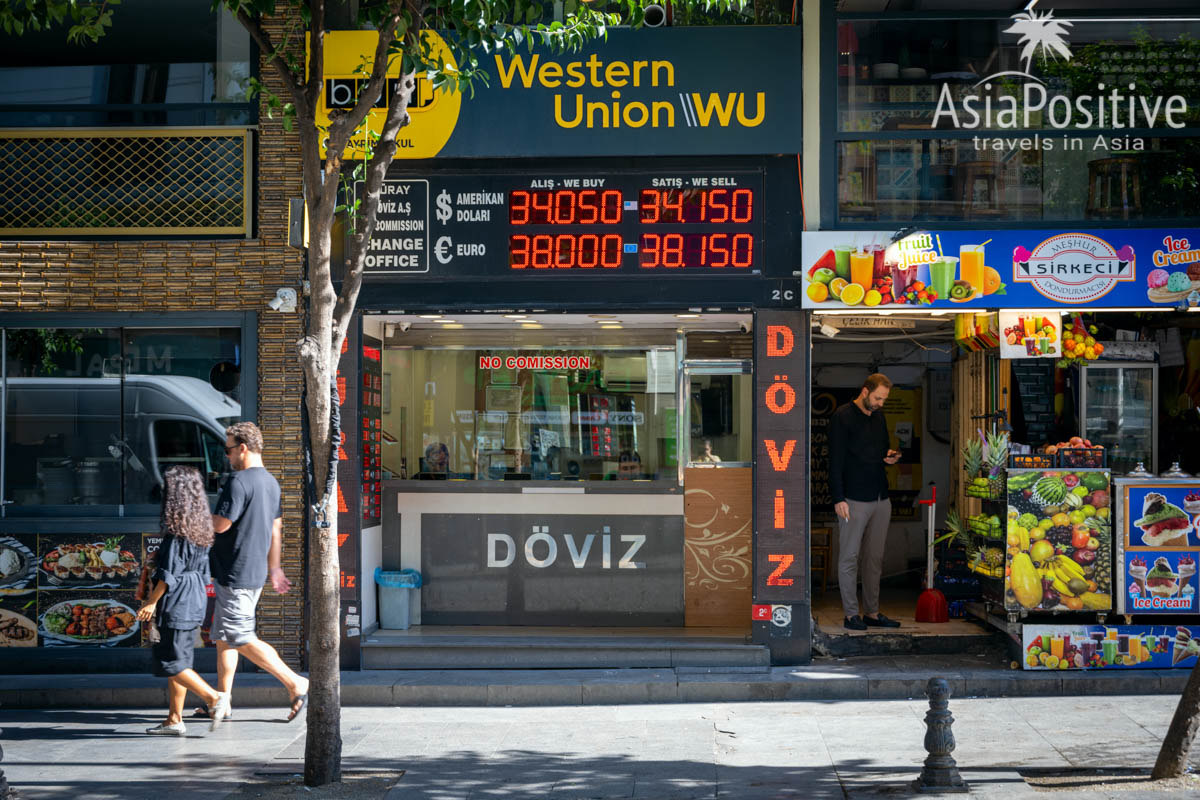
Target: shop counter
[
  {"x": 1158, "y": 545},
  {"x": 607, "y": 553}
]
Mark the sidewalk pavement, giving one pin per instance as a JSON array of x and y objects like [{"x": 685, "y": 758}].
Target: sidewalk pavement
[
  {"x": 875, "y": 678},
  {"x": 746, "y": 751}
]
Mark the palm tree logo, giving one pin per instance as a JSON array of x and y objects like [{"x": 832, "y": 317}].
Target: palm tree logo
[{"x": 1040, "y": 31}]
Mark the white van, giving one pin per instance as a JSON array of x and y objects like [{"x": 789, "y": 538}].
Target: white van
[{"x": 84, "y": 441}]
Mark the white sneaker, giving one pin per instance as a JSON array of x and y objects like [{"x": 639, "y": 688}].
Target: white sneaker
[
  {"x": 220, "y": 710},
  {"x": 163, "y": 729}
]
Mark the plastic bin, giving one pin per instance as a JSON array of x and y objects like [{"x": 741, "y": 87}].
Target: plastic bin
[{"x": 395, "y": 596}]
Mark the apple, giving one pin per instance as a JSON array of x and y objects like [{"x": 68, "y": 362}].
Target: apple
[{"x": 824, "y": 275}]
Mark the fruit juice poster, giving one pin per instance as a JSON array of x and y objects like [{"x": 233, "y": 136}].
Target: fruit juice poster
[
  {"x": 1161, "y": 516},
  {"x": 1013, "y": 269},
  {"x": 1030, "y": 334},
  {"x": 1110, "y": 647}
]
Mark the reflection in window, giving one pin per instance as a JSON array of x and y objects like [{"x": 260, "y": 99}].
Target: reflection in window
[
  {"x": 614, "y": 419},
  {"x": 721, "y": 419},
  {"x": 94, "y": 417}
]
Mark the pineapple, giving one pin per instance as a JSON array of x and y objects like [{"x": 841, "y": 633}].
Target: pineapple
[
  {"x": 957, "y": 529},
  {"x": 996, "y": 461},
  {"x": 973, "y": 457}
]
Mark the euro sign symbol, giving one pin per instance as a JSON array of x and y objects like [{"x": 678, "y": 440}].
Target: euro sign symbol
[
  {"x": 444, "y": 248},
  {"x": 443, "y": 207}
]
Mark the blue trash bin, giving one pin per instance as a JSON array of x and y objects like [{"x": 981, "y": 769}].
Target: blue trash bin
[{"x": 395, "y": 597}]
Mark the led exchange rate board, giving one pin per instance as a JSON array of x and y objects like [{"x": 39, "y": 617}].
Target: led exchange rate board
[{"x": 698, "y": 222}]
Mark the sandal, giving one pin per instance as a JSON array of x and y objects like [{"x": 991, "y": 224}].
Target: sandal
[{"x": 302, "y": 699}]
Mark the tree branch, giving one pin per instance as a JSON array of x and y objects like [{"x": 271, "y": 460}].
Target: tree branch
[
  {"x": 289, "y": 78},
  {"x": 345, "y": 125},
  {"x": 315, "y": 81}
]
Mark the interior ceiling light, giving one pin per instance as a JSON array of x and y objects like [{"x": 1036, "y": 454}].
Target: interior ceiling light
[
  {"x": 447, "y": 321},
  {"x": 687, "y": 316},
  {"x": 612, "y": 327},
  {"x": 515, "y": 316},
  {"x": 531, "y": 325},
  {"x": 430, "y": 316},
  {"x": 454, "y": 325},
  {"x": 607, "y": 321},
  {"x": 602, "y": 316}
]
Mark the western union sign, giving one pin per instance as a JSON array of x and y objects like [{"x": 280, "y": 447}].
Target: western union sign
[{"x": 664, "y": 91}]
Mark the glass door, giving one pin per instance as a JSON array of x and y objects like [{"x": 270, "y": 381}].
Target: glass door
[
  {"x": 1119, "y": 403},
  {"x": 718, "y": 413}
]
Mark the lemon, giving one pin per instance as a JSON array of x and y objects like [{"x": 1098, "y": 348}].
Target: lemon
[
  {"x": 836, "y": 285},
  {"x": 873, "y": 298},
  {"x": 818, "y": 292},
  {"x": 852, "y": 294}
]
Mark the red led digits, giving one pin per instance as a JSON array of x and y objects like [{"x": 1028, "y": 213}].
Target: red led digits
[
  {"x": 564, "y": 251},
  {"x": 715, "y": 206},
  {"x": 565, "y": 207},
  {"x": 683, "y": 250}
]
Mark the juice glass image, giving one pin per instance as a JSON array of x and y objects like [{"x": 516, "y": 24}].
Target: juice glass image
[
  {"x": 841, "y": 260},
  {"x": 1135, "y": 648},
  {"x": 1110, "y": 650},
  {"x": 970, "y": 259},
  {"x": 1097, "y": 637},
  {"x": 1122, "y": 642},
  {"x": 1164, "y": 643},
  {"x": 941, "y": 275},
  {"x": 1031, "y": 326},
  {"x": 880, "y": 270},
  {"x": 1087, "y": 649},
  {"x": 862, "y": 269},
  {"x": 902, "y": 277},
  {"x": 1056, "y": 646},
  {"x": 1110, "y": 633}
]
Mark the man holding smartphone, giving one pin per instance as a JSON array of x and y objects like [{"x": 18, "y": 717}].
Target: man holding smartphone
[{"x": 860, "y": 452}]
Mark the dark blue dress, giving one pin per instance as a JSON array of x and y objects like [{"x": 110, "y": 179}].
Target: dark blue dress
[{"x": 183, "y": 567}]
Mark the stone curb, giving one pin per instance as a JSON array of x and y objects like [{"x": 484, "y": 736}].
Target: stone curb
[{"x": 598, "y": 687}]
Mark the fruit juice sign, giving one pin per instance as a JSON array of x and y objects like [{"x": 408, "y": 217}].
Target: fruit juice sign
[
  {"x": 1063, "y": 647},
  {"x": 1162, "y": 547},
  {"x": 974, "y": 270}
]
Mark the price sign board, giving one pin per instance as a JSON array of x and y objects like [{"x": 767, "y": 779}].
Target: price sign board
[{"x": 688, "y": 222}]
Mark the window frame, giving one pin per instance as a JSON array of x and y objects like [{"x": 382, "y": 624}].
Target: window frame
[
  {"x": 54, "y": 518},
  {"x": 832, "y": 137}
]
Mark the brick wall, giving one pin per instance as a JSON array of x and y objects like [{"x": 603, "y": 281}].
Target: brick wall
[{"x": 228, "y": 275}]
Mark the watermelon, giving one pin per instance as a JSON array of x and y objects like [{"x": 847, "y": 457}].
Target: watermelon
[{"x": 827, "y": 260}]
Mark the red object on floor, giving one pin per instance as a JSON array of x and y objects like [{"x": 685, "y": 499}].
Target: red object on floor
[{"x": 932, "y": 607}]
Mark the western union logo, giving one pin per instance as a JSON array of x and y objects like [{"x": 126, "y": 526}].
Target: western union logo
[{"x": 696, "y": 110}]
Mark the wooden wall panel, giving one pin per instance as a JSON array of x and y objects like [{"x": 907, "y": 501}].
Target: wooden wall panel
[{"x": 719, "y": 515}]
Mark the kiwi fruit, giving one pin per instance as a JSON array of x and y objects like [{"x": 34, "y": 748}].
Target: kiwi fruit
[{"x": 960, "y": 290}]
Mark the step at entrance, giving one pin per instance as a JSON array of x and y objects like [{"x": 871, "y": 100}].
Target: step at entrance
[{"x": 467, "y": 647}]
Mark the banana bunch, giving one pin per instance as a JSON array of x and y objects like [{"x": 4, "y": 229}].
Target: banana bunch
[{"x": 1069, "y": 580}]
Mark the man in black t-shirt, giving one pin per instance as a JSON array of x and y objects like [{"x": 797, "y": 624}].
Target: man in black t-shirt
[
  {"x": 859, "y": 450},
  {"x": 246, "y": 551}
]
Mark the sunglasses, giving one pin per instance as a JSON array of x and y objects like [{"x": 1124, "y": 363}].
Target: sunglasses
[{"x": 229, "y": 450}]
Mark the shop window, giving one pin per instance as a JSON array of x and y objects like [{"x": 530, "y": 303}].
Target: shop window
[
  {"x": 720, "y": 418},
  {"x": 93, "y": 417},
  {"x": 600, "y": 414},
  {"x": 163, "y": 62},
  {"x": 1008, "y": 120}
]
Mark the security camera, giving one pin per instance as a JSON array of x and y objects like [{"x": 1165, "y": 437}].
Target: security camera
[
  {"x": 284, "y": 301},
  {"x": 829, "y": 330},
  {"x": 404, "y": 326},
  {"x": 745, "y": 326}
]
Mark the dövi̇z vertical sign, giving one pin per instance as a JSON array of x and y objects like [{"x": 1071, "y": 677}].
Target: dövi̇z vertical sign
[{"x": 781, "y": 347}]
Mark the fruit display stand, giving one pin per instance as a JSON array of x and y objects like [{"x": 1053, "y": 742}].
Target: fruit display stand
[
  {"x": 984, "y": 460},
  {"x": 1059, "y": 552},
  {"x": 1158, "y": 547}
]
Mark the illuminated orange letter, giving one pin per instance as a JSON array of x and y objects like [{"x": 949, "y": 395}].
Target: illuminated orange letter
[
  {"x": 779, "y": 517},
  {"x": 775, "y": 578},
  {"x": 780, "y": 462},
  {"x": 782, "y": 335},
  {"x": 772, "y": 398}
]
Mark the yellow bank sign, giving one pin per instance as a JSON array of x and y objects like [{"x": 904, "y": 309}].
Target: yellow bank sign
[{"x": 673, "y": 91}]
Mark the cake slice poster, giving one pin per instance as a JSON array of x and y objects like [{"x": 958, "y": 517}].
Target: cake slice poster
[{"x": 1114, "y": 268}]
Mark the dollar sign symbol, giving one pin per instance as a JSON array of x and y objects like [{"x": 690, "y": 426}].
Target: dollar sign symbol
[{"x": 443, "y": 204}]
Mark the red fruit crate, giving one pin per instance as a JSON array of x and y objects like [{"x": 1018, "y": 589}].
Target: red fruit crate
[
  {"x": 1082, "y": 457},
  {"x": 1030, "y": 461}
]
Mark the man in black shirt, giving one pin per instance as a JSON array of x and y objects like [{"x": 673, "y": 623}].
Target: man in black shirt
[
  {"x": 859, "y": 454},
  {"x": 246, "y": 551}
]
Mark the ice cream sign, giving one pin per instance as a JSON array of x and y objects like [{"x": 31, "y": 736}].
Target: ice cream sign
[{"x": 1073, "y": 267}]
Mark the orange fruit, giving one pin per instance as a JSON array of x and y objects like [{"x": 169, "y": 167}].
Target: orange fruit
[
  {"x": 873, "y": 298},
  {"x": 1099, "y": 348},
  {"x": 818, "y": 292},
  {"x": 853, "y": 294},
  {"x": 836, "y": 285},
  {"x": 991, "y": 280}
]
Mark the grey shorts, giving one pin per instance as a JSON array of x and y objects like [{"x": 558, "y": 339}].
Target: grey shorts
[{"x": 233, "y": 615}]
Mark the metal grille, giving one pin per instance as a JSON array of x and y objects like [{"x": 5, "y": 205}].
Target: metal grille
[{"x": 110, "y": 182}]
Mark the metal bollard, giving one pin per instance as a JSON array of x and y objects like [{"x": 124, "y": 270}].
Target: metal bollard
[{"x": 940, "y": 775}]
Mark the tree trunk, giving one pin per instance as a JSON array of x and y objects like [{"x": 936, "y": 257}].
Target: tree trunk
[
  {"x": 1173, "y": 756},
  {"x": 323, "y": 748}
]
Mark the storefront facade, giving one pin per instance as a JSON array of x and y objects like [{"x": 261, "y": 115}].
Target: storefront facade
[
  {"x": 586, "y": 363},
  {"x": 140, "y": 244},
  {"x": 1022, "y": 161}
]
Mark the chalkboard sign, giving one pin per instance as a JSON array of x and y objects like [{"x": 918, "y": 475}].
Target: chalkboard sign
[{"x": 824, "y": 403}]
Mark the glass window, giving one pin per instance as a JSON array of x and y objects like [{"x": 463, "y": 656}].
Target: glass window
[
  {"x": 542, "y": 413},
  {"x": 94, "y": 417},
  {"x": 1017, "y": 119},
  {"x": 721, "y": 419},
  {"x": 163, "y": 62}
]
